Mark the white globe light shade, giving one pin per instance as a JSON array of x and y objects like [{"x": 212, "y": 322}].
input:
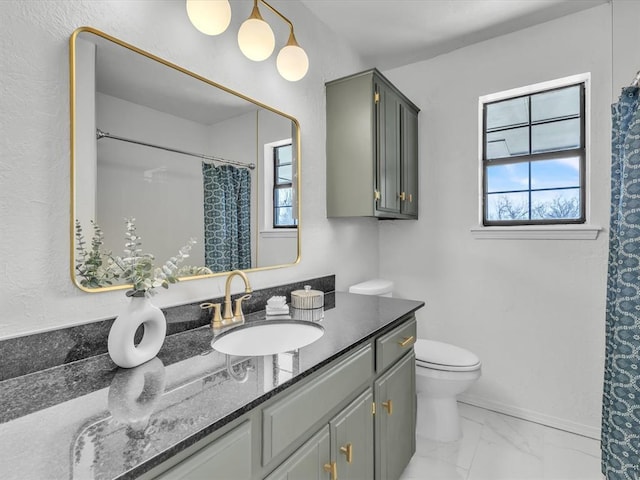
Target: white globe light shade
[
  {"x": 211, "y": 17},
  {"x": 292, "y": 63},
  {"x": 256, "y": 40}
]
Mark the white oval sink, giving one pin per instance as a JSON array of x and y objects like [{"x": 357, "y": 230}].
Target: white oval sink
[{"x": 267, "y": 338}]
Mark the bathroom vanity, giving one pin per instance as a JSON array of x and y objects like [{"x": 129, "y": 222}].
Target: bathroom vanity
[{"x": 341, "y": 407}]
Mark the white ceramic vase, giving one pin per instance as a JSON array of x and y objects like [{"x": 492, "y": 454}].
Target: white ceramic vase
[{"x": 122, "y": 350}]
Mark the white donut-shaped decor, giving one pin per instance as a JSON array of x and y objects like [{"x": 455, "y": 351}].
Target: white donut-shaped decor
[{"x": 122, "y": 349}]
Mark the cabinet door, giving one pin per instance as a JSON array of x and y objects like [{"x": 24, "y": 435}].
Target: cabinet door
[
  {"x": 409, "y": 194},
  {"x": 308, "y": 462},
  {"x": 352, "y": 439},
  {"x": 226, "y": 458},
  {"x": 388, "y": 149},
  {"x": 395, "y": 395}
]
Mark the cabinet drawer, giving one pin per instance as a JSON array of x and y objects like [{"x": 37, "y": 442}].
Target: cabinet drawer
[
  {"x": 393, "y": 345},
  {"x": 227, "y": 457},
  {"x": 286, "y": 420}
]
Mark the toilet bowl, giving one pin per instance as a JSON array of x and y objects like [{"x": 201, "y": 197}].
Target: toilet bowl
[{"x": 443, "y": 371}]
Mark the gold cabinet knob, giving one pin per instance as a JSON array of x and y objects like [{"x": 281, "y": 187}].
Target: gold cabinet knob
[
  {"x": 376, "y": 195},
  {"x": 406, "y": 342},
  {"x": 388, "y": 405},
  {"x": 410, "y": 198},
  {"x": 347, "y": 451},
  {"x": 332, "y": 468},
  {"x": 402, "y": 196}
]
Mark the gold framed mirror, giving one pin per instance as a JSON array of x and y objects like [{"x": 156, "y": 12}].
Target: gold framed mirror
[{"x": 154, "y": 142}]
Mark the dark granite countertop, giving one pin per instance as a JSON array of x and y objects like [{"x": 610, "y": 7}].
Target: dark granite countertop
[{"x": 91, "y": 420}]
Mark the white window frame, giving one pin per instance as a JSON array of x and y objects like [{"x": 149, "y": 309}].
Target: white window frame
[{"x": 585, "y": 231}]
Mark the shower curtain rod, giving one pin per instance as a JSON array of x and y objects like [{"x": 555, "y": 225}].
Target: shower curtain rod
[{"x": 100, "y": 134}]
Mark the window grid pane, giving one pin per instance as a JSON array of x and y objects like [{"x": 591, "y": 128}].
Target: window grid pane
[
  {"x": 283, "y": 187},
  {"x": 524, "y": 182}
]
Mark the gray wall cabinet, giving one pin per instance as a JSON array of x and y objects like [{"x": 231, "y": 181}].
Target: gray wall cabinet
[
  {"x": 372, "y": 149},
  {"x": 354, "y": 419}
]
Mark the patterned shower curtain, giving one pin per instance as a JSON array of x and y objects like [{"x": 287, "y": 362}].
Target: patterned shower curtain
[
  {"x": 621, "y": 399},
  {"x": 227, "y": 217}
]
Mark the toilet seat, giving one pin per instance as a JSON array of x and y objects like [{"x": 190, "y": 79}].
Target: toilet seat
[{"x": 443, "y": 356}]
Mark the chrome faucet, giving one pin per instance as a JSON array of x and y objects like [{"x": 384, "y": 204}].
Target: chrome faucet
[{"x": 236, "y": 316}]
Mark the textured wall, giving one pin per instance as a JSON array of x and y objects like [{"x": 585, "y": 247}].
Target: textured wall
[
  {"x": 36, "y": 292},
  {"x": 533, "y": 310}
]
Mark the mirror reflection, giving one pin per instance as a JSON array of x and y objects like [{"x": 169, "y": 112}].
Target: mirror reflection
[{"x": 185, "y": 157}]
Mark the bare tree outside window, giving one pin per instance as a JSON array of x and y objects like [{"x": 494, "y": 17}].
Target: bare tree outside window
[{"x": 534, "y": 157}]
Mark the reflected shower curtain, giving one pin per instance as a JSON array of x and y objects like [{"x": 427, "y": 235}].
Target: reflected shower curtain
[
  {"x": 621, "y": 399},
  {"x": 227, "y": 217}
]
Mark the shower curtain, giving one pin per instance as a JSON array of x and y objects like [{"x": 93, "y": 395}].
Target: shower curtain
[
  {"x": 227, "y": 217},
  {"x": 621, "y": 398}
]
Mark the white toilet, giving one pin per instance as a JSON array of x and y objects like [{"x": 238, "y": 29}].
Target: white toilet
[{"x": 443, "y": 371}]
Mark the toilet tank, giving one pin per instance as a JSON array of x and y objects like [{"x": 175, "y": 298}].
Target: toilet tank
[{"x": 378, "y": 286}]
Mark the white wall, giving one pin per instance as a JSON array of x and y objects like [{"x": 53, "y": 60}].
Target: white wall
[
  {"x": 275, "y": 247},
  {"x": 170, "y": 184},
  {"x": 533, "y": 310},
  {"x": 36, "y": 292}
]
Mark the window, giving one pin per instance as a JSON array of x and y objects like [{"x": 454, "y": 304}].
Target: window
[
  {"x": 283, "y": 215},
  {"x": 534, "y": 156}
]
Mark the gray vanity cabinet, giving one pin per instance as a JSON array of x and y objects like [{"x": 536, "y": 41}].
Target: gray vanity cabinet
[
  {"x": 228, "y": 457},
  {"x": 395, "y": 419},
  {"x": 308, "y": 462},
  {"x": 372, "y": 149},
  {"x": 352, "y": 439},
  {"x": 354, "y": 419},
  {"x": 342, "y": 449}
]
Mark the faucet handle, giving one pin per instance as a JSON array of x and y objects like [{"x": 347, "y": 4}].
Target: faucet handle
[
  {"x": 238, "y": 316},
  {"x": 216, "y": 318}
]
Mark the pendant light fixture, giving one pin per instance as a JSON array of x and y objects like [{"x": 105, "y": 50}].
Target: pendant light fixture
[
  {"x": 211, "y": 17},
  {"x": 292, "y": 61},
  {"x": 255, "y": 37}
]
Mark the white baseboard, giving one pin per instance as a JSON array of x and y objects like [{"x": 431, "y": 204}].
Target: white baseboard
[{"x": 532, "y": 416}]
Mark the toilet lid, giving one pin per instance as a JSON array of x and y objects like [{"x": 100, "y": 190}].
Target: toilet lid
[{"x": 443, "y": 356}]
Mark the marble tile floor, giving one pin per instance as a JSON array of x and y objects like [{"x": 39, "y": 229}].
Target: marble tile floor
[{"x": 500, "y": 447}]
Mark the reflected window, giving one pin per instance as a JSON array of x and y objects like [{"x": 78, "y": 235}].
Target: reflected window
[
  {"x": 533, "y": 157},
  {"x": 283, "y": 215}
]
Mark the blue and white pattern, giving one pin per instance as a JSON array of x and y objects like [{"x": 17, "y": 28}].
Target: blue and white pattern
[
  {"x": 227, "y": 217},
  {"x": 621, "y": 399}
]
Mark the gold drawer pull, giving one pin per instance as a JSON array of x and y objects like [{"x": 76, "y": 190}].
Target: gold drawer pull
[
  {"x": 332, "y": 468},
  {"x": 347, "y": 451},
  {"x": 402, "y": 196},
  {"x": 406, "y": 342},
  {"x": 389, "y": 406}
]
